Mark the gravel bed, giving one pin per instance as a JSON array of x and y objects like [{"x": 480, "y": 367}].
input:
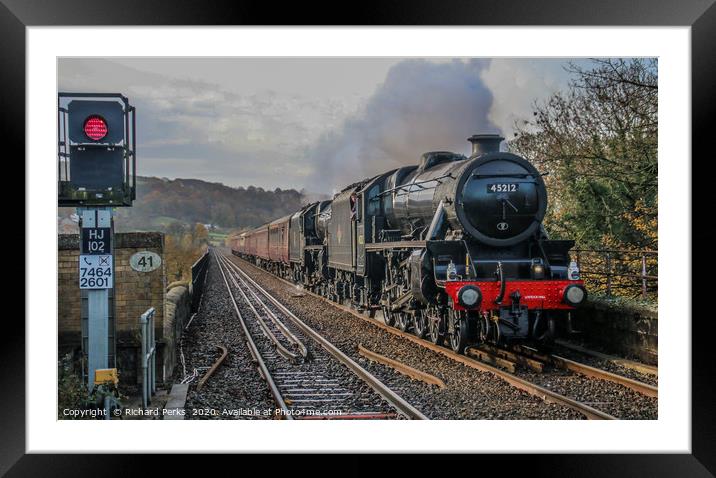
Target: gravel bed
[
  {"x": 469, "y": 394},
  {"x": 236, "y": 387},
  {"x": 614, "y": 399},
  {"x": 607, "y": 365}
]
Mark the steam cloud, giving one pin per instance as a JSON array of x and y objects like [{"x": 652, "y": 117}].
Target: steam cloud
[{"x": 422, "y": 106}]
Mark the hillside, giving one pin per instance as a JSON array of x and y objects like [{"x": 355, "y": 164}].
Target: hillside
[{"x": 162, "y": 203}]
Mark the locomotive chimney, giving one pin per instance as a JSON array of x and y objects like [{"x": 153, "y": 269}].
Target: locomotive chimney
[{"x": 485, "y": 143}]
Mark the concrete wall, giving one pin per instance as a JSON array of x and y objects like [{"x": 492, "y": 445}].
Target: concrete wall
[
  {"x": 134, "y": 293},
  {"x": 620, "y": 328}
]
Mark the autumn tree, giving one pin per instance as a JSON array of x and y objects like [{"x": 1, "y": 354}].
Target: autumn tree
[
  {"x": 598, "y": 142},
  {"x": 201, "y": 235}
]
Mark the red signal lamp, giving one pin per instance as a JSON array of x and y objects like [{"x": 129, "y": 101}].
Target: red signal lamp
[{"x": 95, "y": 127}]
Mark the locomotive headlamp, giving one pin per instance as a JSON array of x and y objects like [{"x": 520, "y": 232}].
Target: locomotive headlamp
[
  {"x": 95, "y": 127},
  {"x": 574, "y": 295},
  {"x": 451, "y": 271},
  {"x": 469, "y": 296},
  {"x": 537, "y": 271}
]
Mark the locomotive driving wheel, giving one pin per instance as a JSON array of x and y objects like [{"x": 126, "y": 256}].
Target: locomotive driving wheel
[
  {"x": 402, "y": 321},
  {"x": 457, "y": 331},
  {"x": 388, "y": 317},
  {"x": 435, "y": 327},
  {"x": 420, "y": 324}
]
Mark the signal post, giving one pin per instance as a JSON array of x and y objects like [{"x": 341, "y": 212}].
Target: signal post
[{"x": 96, "y": 173}]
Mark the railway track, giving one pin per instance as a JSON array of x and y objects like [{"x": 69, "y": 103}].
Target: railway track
[
  {"x": 521, "y": 383},
  {"x": 538, "y": 362},
  {"x": 570, "y": 376},
  {"x": 308, "y": 377}
]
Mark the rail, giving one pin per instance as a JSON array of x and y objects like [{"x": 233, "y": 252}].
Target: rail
[
  {"x": 149, "y": 356},
  {"x": 630, "y": 273}
]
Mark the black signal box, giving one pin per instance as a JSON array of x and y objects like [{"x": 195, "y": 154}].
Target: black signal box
[
  {"x": 109, "y": 111},
  {"x": 96, "y": 156}
]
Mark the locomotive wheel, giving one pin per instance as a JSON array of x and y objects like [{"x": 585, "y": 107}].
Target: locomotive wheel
[
  {"x": 388, "y": 318},
  {"x": 434, "y": 332},
  {"x": 457, "y": 332},
  {"x": 402, "y": 321},
  {"x": 420, "y": 324}
]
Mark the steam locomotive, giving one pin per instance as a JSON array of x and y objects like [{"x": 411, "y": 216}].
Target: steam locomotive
[{"x": 452, "y": 248}]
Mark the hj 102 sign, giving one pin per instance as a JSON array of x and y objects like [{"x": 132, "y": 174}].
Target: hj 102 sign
[
  {"x": 96, "y": 271},
  {"x": 96, "y": 240}
]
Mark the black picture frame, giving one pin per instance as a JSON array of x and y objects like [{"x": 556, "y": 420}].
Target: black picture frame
[{"x": 700, "y": 15}]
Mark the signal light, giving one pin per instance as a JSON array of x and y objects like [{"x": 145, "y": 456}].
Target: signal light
[{"x": 95, "y": 127}]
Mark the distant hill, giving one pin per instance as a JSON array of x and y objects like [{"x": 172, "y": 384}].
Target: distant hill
[{"x": 163, "y": 202}]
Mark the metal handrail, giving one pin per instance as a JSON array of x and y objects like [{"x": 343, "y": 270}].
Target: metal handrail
[
  {"x": 608, "y": 268},
  {"x": 619, "y": 251},
  {"x": 149, "y": 356}
]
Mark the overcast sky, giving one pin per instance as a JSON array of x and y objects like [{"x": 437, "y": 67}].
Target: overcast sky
[{"x": 313, "y": 123}]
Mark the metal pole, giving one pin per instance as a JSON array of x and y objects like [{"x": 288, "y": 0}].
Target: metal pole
[
  {"x": 106, "y": 407},
  {"x": 143, "y": 322},
  {"x": 98, "y": 319},
  {"x": 153, "y": 352}
]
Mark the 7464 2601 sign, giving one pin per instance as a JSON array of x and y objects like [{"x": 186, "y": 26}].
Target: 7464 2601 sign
[{"x": 96, "y": 272}]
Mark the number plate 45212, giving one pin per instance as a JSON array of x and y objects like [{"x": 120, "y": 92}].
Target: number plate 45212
[{"x": 503, "y": 187}]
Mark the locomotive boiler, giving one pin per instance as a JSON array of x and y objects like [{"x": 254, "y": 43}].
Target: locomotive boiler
[{"x": 451, "y": 248}]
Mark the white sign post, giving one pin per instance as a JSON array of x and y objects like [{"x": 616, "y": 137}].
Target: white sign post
[{"x": 96, "y": 274}]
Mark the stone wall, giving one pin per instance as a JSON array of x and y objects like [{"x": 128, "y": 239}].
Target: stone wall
[
  {"x": 68, "y": 292},
  {"x": 178, "y": 311},
  {"x": 134, "y": 293},
  {"x": 619, "y": 328}
]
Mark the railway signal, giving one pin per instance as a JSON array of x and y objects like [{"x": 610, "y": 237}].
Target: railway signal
[
  {"x": 96, "y": 150},
  {"x": 96, "y": 172}
]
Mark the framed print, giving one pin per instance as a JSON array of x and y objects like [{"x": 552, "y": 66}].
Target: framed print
[{"x": 415, "y": 229}]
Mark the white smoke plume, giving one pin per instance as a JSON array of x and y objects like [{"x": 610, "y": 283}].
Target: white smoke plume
[{"x": 422, "y": 106}]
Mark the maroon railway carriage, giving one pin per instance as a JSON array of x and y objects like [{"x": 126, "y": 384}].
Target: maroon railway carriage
[
  {"x": 257, "y": 242},
  {"x": 278, "y": 240}
]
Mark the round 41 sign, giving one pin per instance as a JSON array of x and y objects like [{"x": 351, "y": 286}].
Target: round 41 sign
[{"x": 145, "y": 261}]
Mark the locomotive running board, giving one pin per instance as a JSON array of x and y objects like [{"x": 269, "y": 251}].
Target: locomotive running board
[{"x": 379, "y": 246}]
